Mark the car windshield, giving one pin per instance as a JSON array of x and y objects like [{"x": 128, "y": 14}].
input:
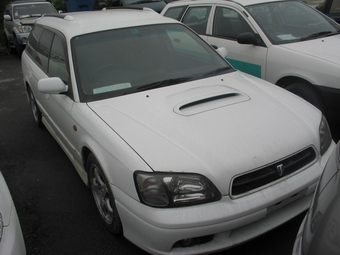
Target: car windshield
[
  {"x": 123, "y": 61},
  {"x": 32, "y": 10},
  {"x": 291, "y": 21}
]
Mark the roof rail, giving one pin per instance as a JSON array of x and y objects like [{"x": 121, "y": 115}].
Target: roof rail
[
  {"x": 59, "y": 16},
  {"x": 127, "y": 8}
]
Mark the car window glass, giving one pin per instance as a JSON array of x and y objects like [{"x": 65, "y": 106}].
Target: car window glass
[
  {"x": 7, "y": 11},
  {"x": 175, "y": 13},
  {"x": 229, "y": 23},
  {"x": 335, "y": 7},
  {"x": 44, "y": 48},
  {"x": 35, "y": 36},
  {"x": 290, "y": 21},
  {"x": 32, "y": 45},
  {"x": 197, "y": 18},
  {"x": 57, "y": 62},
  {"x": 32, "y": 9},
  {"x": 123, "y": 61}
]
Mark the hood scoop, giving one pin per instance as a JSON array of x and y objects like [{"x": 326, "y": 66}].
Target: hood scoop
[{"x": 210, "y": 102}]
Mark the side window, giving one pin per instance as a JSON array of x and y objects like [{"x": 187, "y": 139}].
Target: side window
[
  {"x": 229, "y": 23},
  {"x": 57, "y": 63},
  {"x": 44, "y": 48},
  {"x": 32, "y": 44},
  {"x": 335, "y": 7},
  {"x": 8, "y": 12},
  {"x": 175, "y": 13},
  {"x": 197, "y": 18}
]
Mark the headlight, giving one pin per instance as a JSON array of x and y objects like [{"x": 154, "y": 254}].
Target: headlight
[
  {"x": 325, "y": 135},
  {"x": 1, "y": 226},
  {"x": 174, "y": 189},
  {"x": 25, "y": 29}
]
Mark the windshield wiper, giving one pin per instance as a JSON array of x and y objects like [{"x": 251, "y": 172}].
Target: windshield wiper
[
  {"x": 315, "y": 35},
  {"x": 216, "y": 71},
  {"x": 163, "y": 83}
]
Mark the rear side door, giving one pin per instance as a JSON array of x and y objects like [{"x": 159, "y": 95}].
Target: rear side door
[
  {"x": 227, "y": 23},
  {"x": 47, "y": 49}
]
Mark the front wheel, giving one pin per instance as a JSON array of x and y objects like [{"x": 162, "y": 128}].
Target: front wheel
[
  {"x": 34, "y": 108},
  {"x": 18, "y": 47},
  {"x": 103, "y": 196},
  {"x": 308, "y": 93},
  {"x": 10, "y": 50}
]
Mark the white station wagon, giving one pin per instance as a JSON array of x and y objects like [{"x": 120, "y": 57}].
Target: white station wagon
[
  {"x": 183, "y": 154},
  {"x": 287, "y": 43}
]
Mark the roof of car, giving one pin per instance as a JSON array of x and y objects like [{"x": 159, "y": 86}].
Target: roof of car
[
  {"x": 77, "y": 23},
  {"x": 241, "y": 2}
]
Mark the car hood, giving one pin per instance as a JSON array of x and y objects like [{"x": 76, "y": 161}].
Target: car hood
[
  {"x": 29, "y": 21},
  {"x": 218, "y": 127},
  {"x": 326, "y": 48}
]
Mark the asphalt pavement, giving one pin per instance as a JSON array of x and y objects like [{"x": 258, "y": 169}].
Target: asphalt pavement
[{"x": 57, "y": 212}]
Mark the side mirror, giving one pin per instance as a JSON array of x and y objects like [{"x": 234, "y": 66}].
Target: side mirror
[
  {"x": 7, "y": 17},
  {"x": 222, "y": 51},
  {"x": 247, "y": 38},
  {"x": 52, "y": 85}
]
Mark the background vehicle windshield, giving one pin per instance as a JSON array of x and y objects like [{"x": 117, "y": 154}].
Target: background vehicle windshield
[
  {"x": 122, "y": 61},
  {"x": 128, "y": 2},
  {"x": 32, "y": 9},
  {"x": 291, "y": 21}
]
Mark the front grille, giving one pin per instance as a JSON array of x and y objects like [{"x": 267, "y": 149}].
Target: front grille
[{"x": 271, "y": 173}]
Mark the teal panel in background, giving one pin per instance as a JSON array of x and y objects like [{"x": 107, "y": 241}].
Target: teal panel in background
[{"x": 246, "y": 67}]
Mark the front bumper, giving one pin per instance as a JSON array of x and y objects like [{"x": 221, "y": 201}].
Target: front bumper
[
  {"x": 12, "y": 242},
  {"x": 22, "y": 38},
  {"x": 228, "y": 222}
]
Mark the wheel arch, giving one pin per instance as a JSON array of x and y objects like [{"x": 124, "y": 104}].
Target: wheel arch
[{"x": 287, "y": 81}]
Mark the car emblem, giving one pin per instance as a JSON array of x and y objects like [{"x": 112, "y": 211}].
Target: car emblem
[{"x": 280, "y": 170}]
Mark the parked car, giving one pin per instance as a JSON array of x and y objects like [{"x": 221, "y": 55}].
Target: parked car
[
  {"x": 18, "y": 20},
  {"x": 156, "y": 5},
  {"x": 11, "y": 238},
  {"x": 287, "y": 43},
  {"x": 319, "y": 231},
  {"x": 183, "y": 154},
  {"x": 90, "y": 5},
  {"x": 331, "y": 8}
]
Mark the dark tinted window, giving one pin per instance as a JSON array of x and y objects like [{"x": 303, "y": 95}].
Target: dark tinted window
[
  {"x": 57, "y": 63},
  {"x": 175, "y": 13},
  {"x": 44, "y": 48},
  {"x": 229, "y": 23},
  {"x": 197, "y": 18},
  {"x": 335, "y": 7},
  {"x": 35, "y": 36}
]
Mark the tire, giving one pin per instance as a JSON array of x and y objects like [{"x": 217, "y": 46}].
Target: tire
[
  {"x": 10, "y": 50},
  {"x": 18, "y": 47},
  {"x": 308, "y": 93},
  {"x": 103, "y": 196},
  {"x": 34, "y": 108}
]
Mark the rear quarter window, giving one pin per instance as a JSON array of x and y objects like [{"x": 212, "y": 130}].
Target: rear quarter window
[{"x": 175, "y": 12}]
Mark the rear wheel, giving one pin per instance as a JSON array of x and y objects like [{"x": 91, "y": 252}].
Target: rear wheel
[
  {"x": 34, "y": 108},
  {"x": 103, "y": 196},
  {"x": 307, "y": 92}
]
